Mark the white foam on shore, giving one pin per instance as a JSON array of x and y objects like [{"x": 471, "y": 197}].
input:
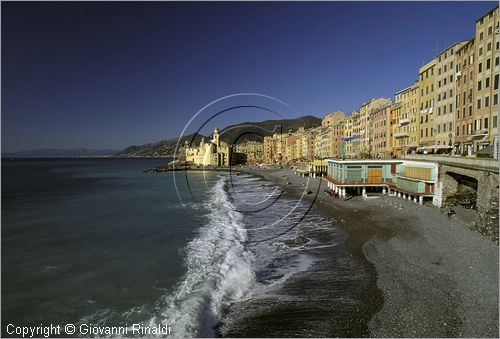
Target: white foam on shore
[{"x": 219, "y": 270}]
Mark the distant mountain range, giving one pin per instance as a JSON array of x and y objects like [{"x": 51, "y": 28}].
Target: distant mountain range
[
  {"x": 231, "y": 134},
  {"x": 60, "y": 153}
]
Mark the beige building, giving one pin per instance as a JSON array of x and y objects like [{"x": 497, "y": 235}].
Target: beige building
[
  {"x": 380, "y": 126},
  {"x": 446, "y": 90},
  {"x": 213, "y": 153},
  {"x": 253, "y": 150},
  {"x": 485, "y": 124},
  {"x": 333, "y": 118},
  {"x": 365, "y": 111},
  {"x": 465, "y": 98},
  {"x": 427, "y": 100}
]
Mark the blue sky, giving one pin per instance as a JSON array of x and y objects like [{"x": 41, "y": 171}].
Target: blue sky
[{"x": 113, "y": 74}]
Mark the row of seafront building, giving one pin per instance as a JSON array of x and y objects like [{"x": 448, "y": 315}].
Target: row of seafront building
[{"x": 451, "y": 107}]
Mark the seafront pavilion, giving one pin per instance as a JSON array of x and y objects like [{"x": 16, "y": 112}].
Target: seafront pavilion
[{"x": 410, "y": 180}]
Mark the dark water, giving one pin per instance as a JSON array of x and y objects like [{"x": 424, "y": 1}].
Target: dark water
[{"x": 100, "y": 242}]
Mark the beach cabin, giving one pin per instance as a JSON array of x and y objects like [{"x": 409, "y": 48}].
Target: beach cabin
[
  {"x": 412, "y": 180},
  {"x": 360, "y": 175}
]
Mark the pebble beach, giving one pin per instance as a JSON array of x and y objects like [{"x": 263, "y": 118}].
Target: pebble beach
[{"x": 428, "y": 275}]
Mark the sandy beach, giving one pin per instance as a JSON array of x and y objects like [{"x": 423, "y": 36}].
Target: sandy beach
[{"x": 427, "y": 275}]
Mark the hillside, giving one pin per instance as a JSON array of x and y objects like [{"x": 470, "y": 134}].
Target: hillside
[
  {"x": 255, "y": 130},
  {"x": 230, "y": 134},
  {"x": 161, "y": 148}
]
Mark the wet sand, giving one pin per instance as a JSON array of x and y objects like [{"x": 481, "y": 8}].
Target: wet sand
[{"x": 425, "y": 275}]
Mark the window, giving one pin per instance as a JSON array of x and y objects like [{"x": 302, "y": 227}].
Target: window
[
  {"x": 451, "y": 63},
  {"x": 450, "y": 126},
  {"x": 494, "y": 123},
  {"x": 478, "y": 124},
  {"x": 458, "y": 131},
  {"x": 444, "y": 81},
  {"x": 486, "y": 123},
  {"x": 478, "y": 103},
  {"x": 451, "y": 78},
  {"x": 426, "y": 89},
  {"x": 427, "y": 118},
  {"x": 451, "y": 108},
  {"x": 488, "y": 47},
  {"x": 426, "y": 132},
  {"x": 439, "y": 97},
  {"x": 481, "y": 36},
  {"x": 486, "y": 101},
  {"x": 432, "y": 86},
  {"x": 495, "y": 82},
  {"x": 490, "y": 30},
  {"x": 463, "y": 129},
  {"x": 439, "y": 128},
  {"x": 444, "y": 109},
  {"x": 444, "y": 127},
  {"x": 487, "y": 84},
  {"x": 445, "y": 68},
  {"x": 488, "y": 64},
  {"x": 439, "y": 69},
  {"x": 495, "y": 99},
  {"x": 421, "y": 133},
  {"x": 451, "y": 93},
  {"x": 479, "y": 83},
  {"x": 439, "y": 84},
  {"x": 470, "y": 110},
  {"x": 496, "y": 61},
  {"x": 480, "y": 67},
  {"x": 439, "y": 110},
  {"x": 480, "y": 51}
]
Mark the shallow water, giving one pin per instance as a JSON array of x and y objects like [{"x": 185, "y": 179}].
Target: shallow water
[{"x": 101, "y": 242}]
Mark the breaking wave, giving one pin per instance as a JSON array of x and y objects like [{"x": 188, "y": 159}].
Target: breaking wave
[{"x": 219, "y": 271}]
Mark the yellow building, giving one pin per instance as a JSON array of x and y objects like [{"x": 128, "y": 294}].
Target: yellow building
[
  {"x": 485, "y": 124},
  {"x": 446, "y": 91},
  {"x": 427, "y": 99},
  {"x": 405, "y": 120},
  {"x": 465, "y": 98}
]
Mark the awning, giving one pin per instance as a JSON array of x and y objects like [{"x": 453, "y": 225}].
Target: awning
[
  {"x": 351, "y": 138},
  {"x": 411, "y": 149}
]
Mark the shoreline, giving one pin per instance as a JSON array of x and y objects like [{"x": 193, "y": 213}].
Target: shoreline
[{"x": 429, "y": 276}]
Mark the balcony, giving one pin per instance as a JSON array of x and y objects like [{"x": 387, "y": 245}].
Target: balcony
[
  {"x": 482, "y": 131},
  {"x": 404, "y": 121},
  {"x": 400, "y": 135}
]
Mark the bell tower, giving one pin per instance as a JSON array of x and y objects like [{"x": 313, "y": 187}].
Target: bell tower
[{"x": 215, "y": 139}]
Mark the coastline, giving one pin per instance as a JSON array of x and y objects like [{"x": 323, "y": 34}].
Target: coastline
[{"x": 428, "y": 275}]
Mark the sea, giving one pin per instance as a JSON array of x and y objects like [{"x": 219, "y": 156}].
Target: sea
[{"x": 100, "y": 244}]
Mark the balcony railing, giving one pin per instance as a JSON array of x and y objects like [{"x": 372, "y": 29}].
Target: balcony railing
[
  {"x": 401, "y": 135},
  {"x": 480, "y": 131},
  {"x": 404, "y": 121}
]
